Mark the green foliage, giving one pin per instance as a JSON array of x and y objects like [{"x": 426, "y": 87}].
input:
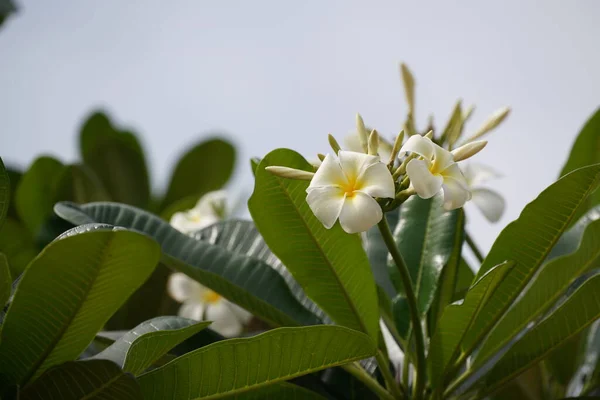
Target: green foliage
[
  {"x": 5, "y": 281},
  {"x": 282, "y": 390},
  {"x": 239, "y": 277},
  {"x": 75, "y": 380},
  {"x": 82, "y": 280},
  {"x": 17, "y": 244},
  {"x": 117, "y": 158},
  {"x": 135, "y": 351},
  {"x": 7, "y": 8},
  {"x": 213, "y": 160},
  {"x": 330, "y": 265},
  {"x": 239, "y": 365},
  {"x": 4, "y": 192}
]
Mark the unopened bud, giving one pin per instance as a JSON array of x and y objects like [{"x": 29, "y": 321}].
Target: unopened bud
[
  {"x": 409, "y": 86},
  {"x": 373, "y": 145},
  {"x": 334, "y": 144},
  {"x": 321, "y": 156},
  {"x": 468, "y": 113},
  {"x": 429, "y": 135},
  {"x": 396, "y": 148},
  {"x": 362, "y": 133},
  {"x": 468, "y": 150},
  {"x": 492, "y": 122},
  {"x": 291, "y": 173}
]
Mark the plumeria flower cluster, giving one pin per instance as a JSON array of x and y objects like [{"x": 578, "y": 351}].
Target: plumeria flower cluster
[
  {"x": 353, "y": 186},
  {"x": 199, "y": 302}
]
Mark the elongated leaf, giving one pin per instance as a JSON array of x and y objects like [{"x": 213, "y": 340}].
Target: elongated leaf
[
  {"x": 549, "y": 285},
  {"x": 80, "y": 184},
  {"x": 17, "y": 244},
  {"x": 464, "y": 279},
  {"x": 528, "y": 241},
  {"x": 239, "y": 365},
  {"x": 281, "y": 390},
  {"x": 242, "y": 279},
  {"x": 14, "y": 177},
  {"x": 4, "y": 192},
  {"x": 378, "y": 254},
  {"x": 425, "y": 235},
  {"x": 587, "y": 375},
  {"x": 205, "y": 167},
  {"x": 330, "y": 264},
  {"x": 571, "y": 239},
  {"x": 67, "y": 294},
  {"x": 254, "y": 161},
  {"x": 117, "y": 158},
  {"x": 458, "y": 319},
  {"x": 38, "y": 191},
  {"x": 75, "y": 380},
  {"x": 139, "y": 348},
  {"x": 5, "y": 281},
  {"x": 580, "y": 310}
]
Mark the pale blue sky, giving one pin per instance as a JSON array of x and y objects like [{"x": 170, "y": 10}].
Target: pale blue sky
[{"x": 284, "y": 74}]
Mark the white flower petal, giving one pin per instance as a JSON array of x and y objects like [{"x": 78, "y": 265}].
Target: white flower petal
[
  {"x": 476, "y": 174},
  {"x": 377, "y": 181},
  {"x": 422, "y": 180},
  {"x": 212, "y": 204},
  {"x": 326, "y": 203},
  {"x": 225, "y": 322},
  {"x": 442, "y": 159},
  {"x": 419, "y": 145},
  {"x": 329, "y": 174},
  {"x": 455, "y": 194},
  {"x": 489, "y": 202},
  {"x": 359, "y": 213},
  {"x": 243, "y": 315},
  {"x": 192, "y": 310},
  {"x": 453, "y": 171},
  {"x": 353, "y": 163},
  {"x": 181, "y": 287}
]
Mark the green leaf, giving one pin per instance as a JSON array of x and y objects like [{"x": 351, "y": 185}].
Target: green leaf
[
  {"x": 117, "y": 158},
  {"x": 549, "y": 285},
  {"x": 4, "y": 192},
  {"x": 80, "y": 184},
  {"x": 75, "y": 380},
  {"x": 578, "y": 311},
  {"x": 5, "y": 281},
  {"x": 139, "y": 348},
  {"x": 254, "y": 161},
  {"x": 401, "y": 314},
  {"x": 239, "y": 365},
  {"x": 426, "y": 235},
  {"x": 528, "y": 241},
  {"x": 67, "y": 294},
  {"x": 571, "y": 239},
  {"x": 241, "y": 278},
  {"x": 587, "y": 375},
  {"x": 7, "y": 8},
  {"x": 378, "y": 253},
  {"x": 464, "y": 280},
  {"x": 38, "y": 191},
  {"x": 330, "y": 264},
  {"x": 458, "y": 319},
  {"x": 204, "y": 168},
  {"x": 276, "y": 391},
  {"x": 14, "y": 176},
  {"x": 17, "y": 244}
]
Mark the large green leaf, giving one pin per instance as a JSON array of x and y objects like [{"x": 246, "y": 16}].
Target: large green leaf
[
  {"x": 80, "y": 184},
  {"x": 330, "y": 264},
  {"x": 17, "y": 244},
  {"x": 4, "y": 192},
  {"x": 276, "y": 391},
  {"x": 241, "y": 278},
  {"x": 571, "y": 239},
  {"x": 426, "y": 235},
  {"x": 551, "y": 282},
  {"x": 139, "y": 348},
  {"x": 528, "y": 241},
  {"x": 457, "y": 320},
  {"x": 587, "y": 375},
  {"x": 378, "y": 253},
  {"x": 578, "y": 311},
  {"x": 586, "y": 151},
  {"x": 76, "y": 380},
  {"x": 38, "y": 191},
  {"x": 67, "y": 294},
  {"x": 205, "y": 167},
  {"x": 117, "y": 158},
  {"x": 5, "y": 281},
  {"x": 14, "y": 176},
  {"x": 239, "y": 365}
]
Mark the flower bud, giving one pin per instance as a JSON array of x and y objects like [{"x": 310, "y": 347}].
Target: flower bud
[
  {"x": 468, "y": 150},
  {"x": 334, "y": 144},
  {"x": 492, "y": 122},
  {"x": 291, "y": 173},
  {"x": 362, "y": 133},
  {"x": 373, "y": 145},
  {"x": 396, "y": 148}
]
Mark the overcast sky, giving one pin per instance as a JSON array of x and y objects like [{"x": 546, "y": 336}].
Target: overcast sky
[{"x": 284, "y": 74}]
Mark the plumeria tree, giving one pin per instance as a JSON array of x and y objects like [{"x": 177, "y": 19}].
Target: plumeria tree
[{"x": 349, "y": 282}]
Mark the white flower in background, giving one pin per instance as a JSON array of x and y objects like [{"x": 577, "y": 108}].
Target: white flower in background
[
  {"x": 209, "y": 210},
  {"x": 344, "y": 187},
  {"x": 435, "y": 171},
  {"x": 490, "y": 203},
  {"x": 203, "y": 304}
]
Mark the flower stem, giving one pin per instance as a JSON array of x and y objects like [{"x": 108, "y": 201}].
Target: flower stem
[
  {"x": 390, "y": 382},
  {"x": 411, "y": 299},
  {"x": 473, "y": 247},
  {"x": 370, "y": 382}
]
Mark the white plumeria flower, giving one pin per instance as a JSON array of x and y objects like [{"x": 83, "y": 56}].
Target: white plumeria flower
[
  {"x": 203, "y": 304},
  {"x": 489, "y": 202},
  {"x": 209, "y": 210},
  {"x": 344, "y": 187},
  {"x": 435, "y": 171}
]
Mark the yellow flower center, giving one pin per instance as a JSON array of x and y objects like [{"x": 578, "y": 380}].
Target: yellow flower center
[
  {"x": 351, "y": 186},
  {"x": 211, "y": 297}
]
